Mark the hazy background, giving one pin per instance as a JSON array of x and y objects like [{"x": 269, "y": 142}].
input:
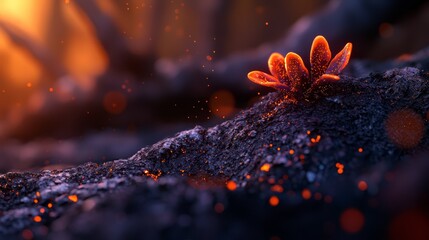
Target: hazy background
[{"x": 97, "y": 80}]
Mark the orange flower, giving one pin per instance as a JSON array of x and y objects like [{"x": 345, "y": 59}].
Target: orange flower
[{"x": 289, "y": 73}]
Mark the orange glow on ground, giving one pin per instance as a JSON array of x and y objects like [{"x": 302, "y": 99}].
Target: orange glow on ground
[
  {"x": 274, "y": 201},
  {"x": 154, "y": 176},
  {"x": 73, "y": 198},
  {"x": 231, "y": 185},
  {"x": 352, "y": 220},
  {"x": 306, "y": 194},
  {"x": 405, "y": 128},
  {"x": 266, "y": 167}
]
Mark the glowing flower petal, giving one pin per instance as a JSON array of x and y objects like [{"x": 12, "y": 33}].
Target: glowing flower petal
[
  {"x": 327, "y": 78},
  {"x": 340, "y": 60},
  {"x": 276, "y": 64},
  {"x": 290, "y": 73},
  {"x": 297, "y": 72},
  {"x": 265, "y": 80},
  {"x": 320, "y": 55}
]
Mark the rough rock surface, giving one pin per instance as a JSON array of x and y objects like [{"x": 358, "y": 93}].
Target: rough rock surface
[{"x": 330, "y": 164}]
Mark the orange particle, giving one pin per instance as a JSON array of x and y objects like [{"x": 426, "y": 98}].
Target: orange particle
[
  {"x": 291, "y": 152},
  {"x": 37, "y": 194},
  {"x": 266, "y": 167},
  {"x": 352, "y": 220},
  {"x": 277, "y": 188},
  {"x": 274, "y": 201},
  {"x": 306, "y": 194},
  {"x": 29, "y": 84},
  {"x": 219, "y": 208},
  {"x": 51, "y": 89},
  {"x": 340, "y": 167},
  {"x": 209, "y": 58},
  {"x": 266, "y": 23},
  {"x": 42, "y": 210},
  {"x": 308, "y": 132},
  {"x": 405, "y": 128},
  {"x": 360, "y": 150},
  {"x": 35, "y": 201},
  {"x": 49, "y": 205},
  {"x": 231, "y": 185},
  {"x": 248, "y": 176},
  {"x": 73, "y": 198},
  {"x": 37, "y": 219},
  {"x": 315, "y": 140},
  {"x": 362, "y": 185}
]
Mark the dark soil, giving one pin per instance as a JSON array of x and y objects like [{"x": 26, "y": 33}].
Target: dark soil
[{"x": 177, "y": 188}]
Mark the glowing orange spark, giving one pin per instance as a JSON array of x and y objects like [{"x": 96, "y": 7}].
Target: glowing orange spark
[
  {"x": 73, "y": 198},
  {"x": 274, "y": 201},
  {"x": 266, "y": 167},
  {"x": 362, "y": 185},
  {"x": 277, "y": 188},
  {"x": 306, "y": 194},
  {"x": 231, "y": 185},
  {"x": 37, "y": 219}
]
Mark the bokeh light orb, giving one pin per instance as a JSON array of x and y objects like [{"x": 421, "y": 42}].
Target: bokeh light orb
[{"x": 405, "y": 128}]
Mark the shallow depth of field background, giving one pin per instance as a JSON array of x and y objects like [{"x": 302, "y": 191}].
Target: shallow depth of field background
[{"x": 67, "y": 99}]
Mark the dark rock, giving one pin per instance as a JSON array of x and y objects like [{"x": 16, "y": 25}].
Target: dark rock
[{"x": 314, "y": 156}]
